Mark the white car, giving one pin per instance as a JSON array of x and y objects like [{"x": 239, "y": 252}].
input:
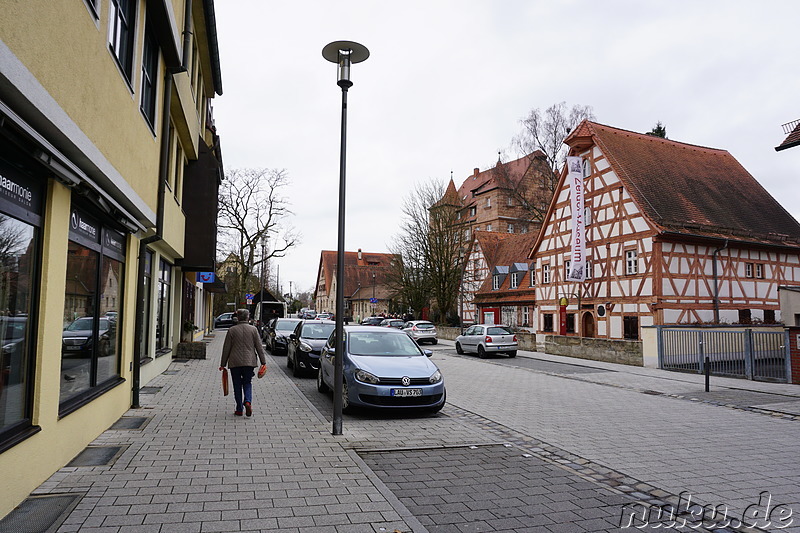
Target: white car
[
  {"x": 421, "y": 331},
  {"x": 484, "y": 339}
]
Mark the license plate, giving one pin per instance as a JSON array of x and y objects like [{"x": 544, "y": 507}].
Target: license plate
[
  {"x": 406, "y": 392},
  {"x": 73, "y": 348}
]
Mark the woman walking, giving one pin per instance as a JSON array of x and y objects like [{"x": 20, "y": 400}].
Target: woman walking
[{"x": 242, "y": 352}]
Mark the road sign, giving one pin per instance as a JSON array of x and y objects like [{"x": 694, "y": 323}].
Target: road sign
[{"x": 373, "y": 300}]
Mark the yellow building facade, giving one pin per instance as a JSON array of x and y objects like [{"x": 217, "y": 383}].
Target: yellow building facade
[{"x": 108, "y": 156}]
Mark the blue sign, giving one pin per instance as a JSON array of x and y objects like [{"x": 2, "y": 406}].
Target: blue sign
[
  {"x": 248, "y": 296},
  {"x": 373, "y": 300},
  {"x": 205, "y": 277}
]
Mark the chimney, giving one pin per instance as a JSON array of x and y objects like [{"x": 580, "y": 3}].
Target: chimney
[{"x": 359, "y": 254}]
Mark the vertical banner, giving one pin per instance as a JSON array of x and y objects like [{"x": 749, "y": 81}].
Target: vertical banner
[{"x": 577, "y": 268}]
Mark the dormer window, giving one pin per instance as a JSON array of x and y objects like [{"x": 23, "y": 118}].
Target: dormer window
[
  {"x": 495, "y": 282},
  {"x": 514, "y": 280}
]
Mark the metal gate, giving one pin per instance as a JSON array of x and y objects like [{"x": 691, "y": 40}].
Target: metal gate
[{"x": 757, "y": 355}]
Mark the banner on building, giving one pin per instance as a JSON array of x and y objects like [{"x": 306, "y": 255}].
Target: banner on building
[{"x": 577, "y": 266}]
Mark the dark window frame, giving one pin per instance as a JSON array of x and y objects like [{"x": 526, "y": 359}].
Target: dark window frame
[
  {"x": 548, "y": 323},
  {"x": 630, "y": 327},
  {"x": 121, "y": 32},
  {"x": 149, "y": 96}
]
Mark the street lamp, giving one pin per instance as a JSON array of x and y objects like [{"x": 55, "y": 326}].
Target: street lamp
[{"x": 343, "y": 53}]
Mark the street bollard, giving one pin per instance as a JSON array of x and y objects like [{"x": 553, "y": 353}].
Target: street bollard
[{"x": 707, "y": 371}]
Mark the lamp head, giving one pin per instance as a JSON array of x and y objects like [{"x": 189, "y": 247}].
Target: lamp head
[{"x": 345, "y": 53}]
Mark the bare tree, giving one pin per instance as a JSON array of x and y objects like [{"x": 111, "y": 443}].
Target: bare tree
[
  {"x": 545, "y": 131},
  {"x": 253, "y": 210},
  {"x": 430, "y": 247},
  {"x": 529, "y": 183}
]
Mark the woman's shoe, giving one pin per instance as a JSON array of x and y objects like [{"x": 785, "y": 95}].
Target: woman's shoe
[
  {"x": 237, "y": 413},
  {"x": 248, "y": 409}
]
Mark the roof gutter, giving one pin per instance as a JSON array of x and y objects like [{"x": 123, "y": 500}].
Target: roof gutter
[
  {"x": 213, "y": 45},
  {"x": 729, "y": 240}
]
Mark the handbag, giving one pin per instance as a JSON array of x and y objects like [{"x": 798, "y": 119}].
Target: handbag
[
  {"x": 261, "y": 371},
  {"x": 224, "y": 381}
]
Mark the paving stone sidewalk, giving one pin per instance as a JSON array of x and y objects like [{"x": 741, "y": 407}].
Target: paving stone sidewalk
[{"x": 194, "y": 467}]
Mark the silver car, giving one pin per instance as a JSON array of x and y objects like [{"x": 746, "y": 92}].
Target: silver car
[
  {"x": 421, "y": 331},
  {"x": 487, "y": 338}
]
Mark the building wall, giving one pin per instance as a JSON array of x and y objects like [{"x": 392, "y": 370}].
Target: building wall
[{"x": 69, "y": 100}]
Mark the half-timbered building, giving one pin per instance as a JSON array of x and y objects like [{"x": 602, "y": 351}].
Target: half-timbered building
[{"x": 675, "y": 234}]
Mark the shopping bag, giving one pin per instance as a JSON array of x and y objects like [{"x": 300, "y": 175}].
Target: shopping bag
[
  {"x": 224, "y": 381},
  {"x": 262, "y": 371}
]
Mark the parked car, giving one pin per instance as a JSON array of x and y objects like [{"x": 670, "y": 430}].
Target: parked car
[
  {"x": 305, "y": 345},
  {"x": 383, "y": 368},
  {"x": 307, "y": 314},
  {"x": 225, "y": 320},
  {"x": 372, "y": 321},
  {"x": 277, "y": 334},
  {"x": 392, "y": 323},
  {"x": 77, "y": 338},
  {"x": 324, "y": 316},
  {"x": 421, "y": 331},
  {"x": 484, "y": 339}
]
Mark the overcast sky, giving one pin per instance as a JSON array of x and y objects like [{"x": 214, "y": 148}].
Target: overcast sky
[{"x": 448, "y": 81}]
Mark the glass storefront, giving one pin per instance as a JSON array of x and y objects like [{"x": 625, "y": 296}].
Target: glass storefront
[
  {"x": 21, "y": 200},
  {"x": 92, "y": 305}
]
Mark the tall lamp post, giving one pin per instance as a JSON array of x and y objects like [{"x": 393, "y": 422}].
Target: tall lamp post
[{"x": 343, "y": 53}]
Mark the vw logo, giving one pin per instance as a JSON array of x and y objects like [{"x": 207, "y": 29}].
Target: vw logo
[{"x": 406, "y": 381}]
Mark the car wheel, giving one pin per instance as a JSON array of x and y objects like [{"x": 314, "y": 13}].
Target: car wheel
[
  {"x": 321, "y": 386},
  {"x": 481, "y": 352},
  {"x": 459, "y": 349},
  {"x": 289, "y": 363},
  {"x": 296, "y": 370},
  {"x": 512, "y": 354},
  {"x": 434, "y": 341}
]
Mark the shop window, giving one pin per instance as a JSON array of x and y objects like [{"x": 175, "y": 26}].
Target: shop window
[
  {"x": 147, "y": 298},
  {"x": 547, "y": 322},
  {"x": 92, "y": 305},
  {"x": 163, "y": 344},
  {"x": 21, "y": 206},
  {"x": 630, "y": 327}
]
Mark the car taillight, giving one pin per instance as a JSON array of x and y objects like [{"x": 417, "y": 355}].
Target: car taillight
[
  {"x": 414, "y": 328},
  {"x": 488, "y": 338},
  {"x": 515, "y": 338}
]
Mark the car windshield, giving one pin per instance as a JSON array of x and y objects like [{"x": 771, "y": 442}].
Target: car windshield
[
  {"x": 286, "y": 325},
  {"x": 368, "y": 343},
  {"x": 317, "y": 331},
  {"x": 498, "y": 331},
  {"x": 425, "y": 325},
  {"x": 85, "y": 324}
]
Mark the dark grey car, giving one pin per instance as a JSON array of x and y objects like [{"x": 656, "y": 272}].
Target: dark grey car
[{"x": 305, "y": 345}]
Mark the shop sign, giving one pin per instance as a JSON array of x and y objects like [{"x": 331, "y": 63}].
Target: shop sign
[
  {"x": 114, "y": 240},
  {"x": 20, "y": 191},
  {"x": 83, "y": 226}
]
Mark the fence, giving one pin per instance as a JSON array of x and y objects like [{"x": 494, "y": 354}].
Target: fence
[{"x": 737, "y": 352}]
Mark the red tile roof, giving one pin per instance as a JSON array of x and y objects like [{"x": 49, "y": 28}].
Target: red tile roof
[
  {"x": 690, "y": 189},
  {"x": 793, "y": 139},
  {"x": 505, "y": 249},
  {"x": 357, "y": 272},
  {"x": 488, "y": 179}
]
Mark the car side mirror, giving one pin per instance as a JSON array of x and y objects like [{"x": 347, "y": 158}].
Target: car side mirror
[
  {"x": 292, "y": 336},
  {"x": 428, "y": 353}
]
